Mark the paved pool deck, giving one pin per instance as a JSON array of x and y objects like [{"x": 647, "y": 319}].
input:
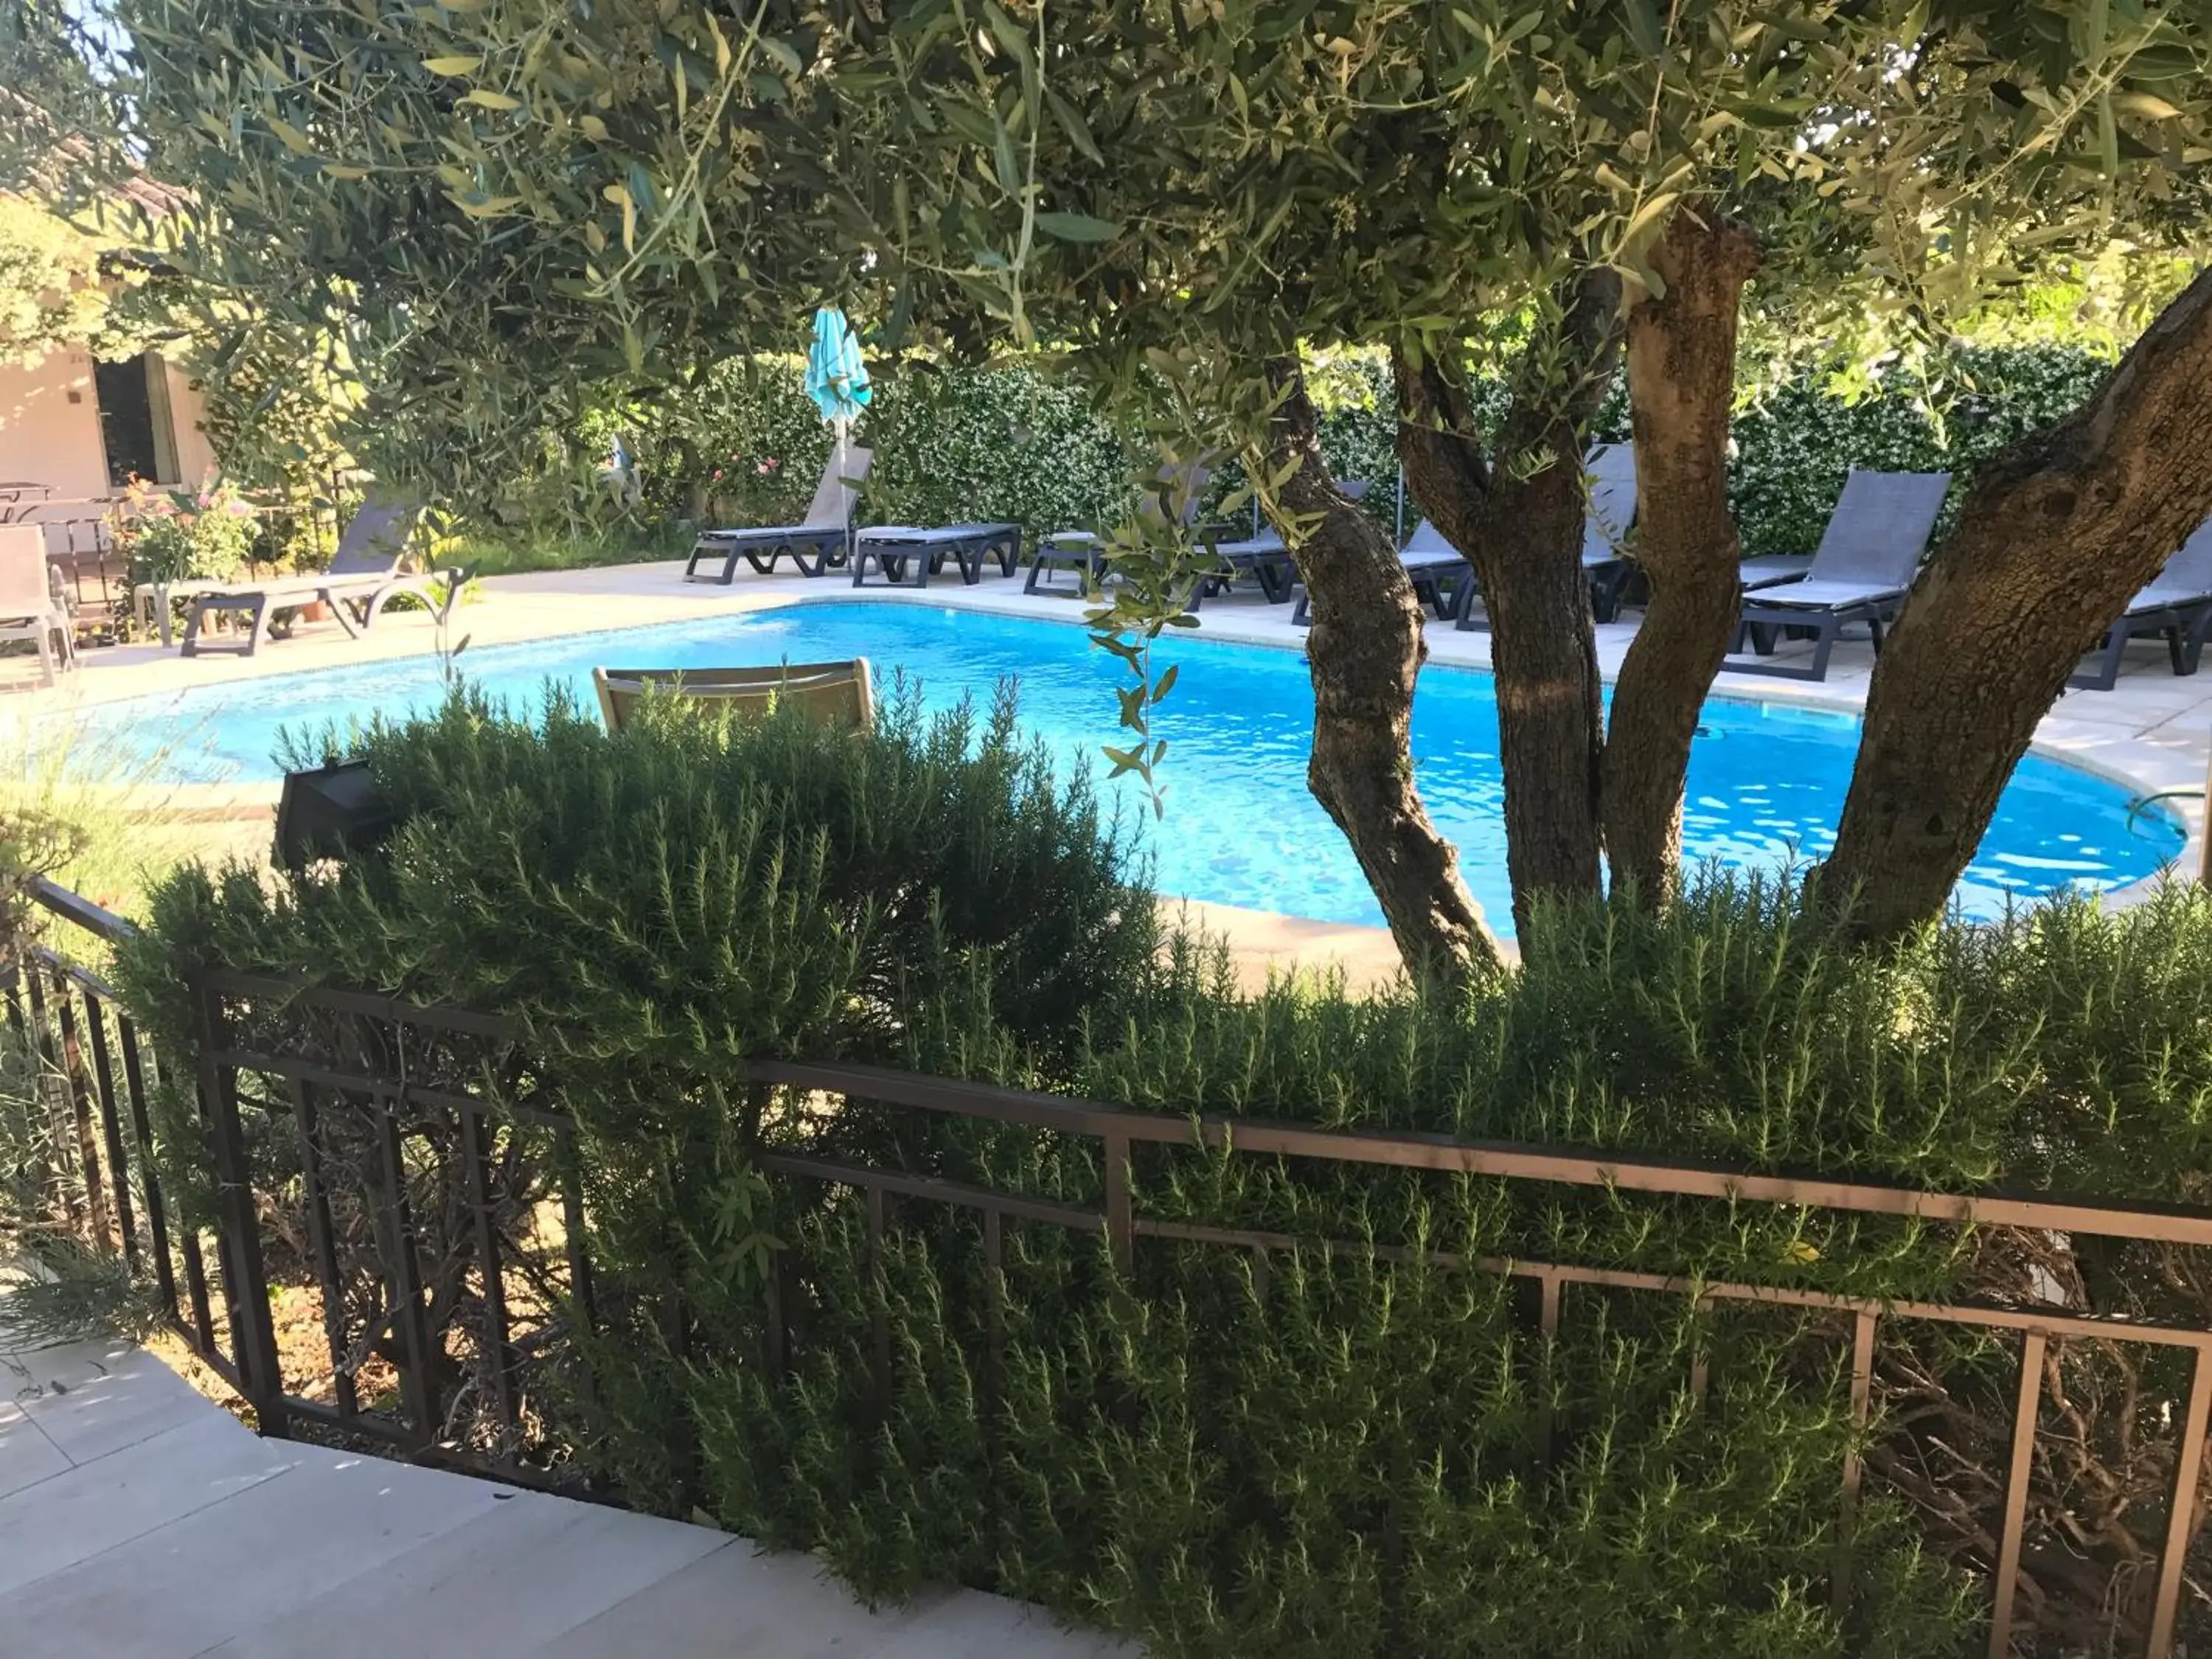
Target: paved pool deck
[
  {"x": 139, "y": 1520},
  {"x": 2152, "y": 732}
]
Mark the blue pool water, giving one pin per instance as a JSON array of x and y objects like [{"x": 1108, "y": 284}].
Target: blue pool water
[{"x": 1766, "y": 781}]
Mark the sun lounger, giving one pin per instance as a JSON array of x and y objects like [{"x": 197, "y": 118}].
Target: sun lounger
[
  {"x": 28, "y": 609},
  {"x": 1083, "y": 550},
  {"x": 1866, "y": 562},
  {"x": 363, "y": 578},
  {"x": 1264, "y": 557},
  {"x": 2178, "y": 605},
  {"x": 1605, "y": 523},
  {"x": 891, "y": 548},
  {"x": 822, "y": 540},
  {"x": 1612, "y": 514},
  {"x": 1440, "y": 573},
  {"x": 839, "y": 693},
  {"x": 1876, "y": 533}
]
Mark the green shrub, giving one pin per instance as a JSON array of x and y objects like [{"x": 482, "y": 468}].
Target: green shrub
[
  {"x": 744, "y": 445},
  {"x": 1319, "y": 1451},
  {"x": 1339, "y": 1457},
  {"x": 656, "y": 905},
  {"x": 1796, "y": 445},
  {"x": 1020, "y": 442},
  {"x": 169, "y": 535}
]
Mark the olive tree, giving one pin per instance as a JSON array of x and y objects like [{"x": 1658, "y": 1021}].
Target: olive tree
[{"x": 503, "y": 202}]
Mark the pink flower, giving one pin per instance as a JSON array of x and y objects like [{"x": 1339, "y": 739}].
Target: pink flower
[{"x": 718, "y": 472}]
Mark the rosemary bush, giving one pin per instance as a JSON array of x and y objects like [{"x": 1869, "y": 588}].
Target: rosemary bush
[{"x": 1364, "y": 1449}]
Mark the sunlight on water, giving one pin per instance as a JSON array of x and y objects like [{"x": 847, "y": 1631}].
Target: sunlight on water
[{"x": 1766, "y": 781}]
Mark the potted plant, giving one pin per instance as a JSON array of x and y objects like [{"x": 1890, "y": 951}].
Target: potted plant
[{"x": 183, "y": 535}]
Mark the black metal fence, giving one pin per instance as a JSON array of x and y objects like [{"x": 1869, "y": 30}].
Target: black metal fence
[
  {"x": 93, "y": 1079},
  {"x": 445, "y": 1219}
]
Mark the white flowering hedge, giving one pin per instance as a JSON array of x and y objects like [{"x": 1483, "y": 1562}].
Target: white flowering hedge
[{"x": 1017, "y": 441}]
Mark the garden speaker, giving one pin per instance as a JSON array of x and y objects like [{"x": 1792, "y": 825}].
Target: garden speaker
[{"x": 330, "y": 812}]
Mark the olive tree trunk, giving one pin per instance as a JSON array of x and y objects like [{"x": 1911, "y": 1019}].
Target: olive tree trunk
[
  {"x": 2058, "y": 532},
  {"x": 1365, "y": 652},
  {"x": 1682, "y": 380},
  {"x": 1520, "y": 522}
]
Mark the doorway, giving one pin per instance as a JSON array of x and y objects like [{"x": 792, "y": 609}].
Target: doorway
[{"x": 134, "y": 420}]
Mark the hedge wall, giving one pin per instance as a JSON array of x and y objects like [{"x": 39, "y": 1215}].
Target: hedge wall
[{"x": 1020, "y": 442}]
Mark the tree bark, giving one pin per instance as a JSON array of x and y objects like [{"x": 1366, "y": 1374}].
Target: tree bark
[
  {"x": 1681, "y": 381},
  {"x": 1365, "y": 652},
  {"x": 2058, "y": 532},
  {"x": 1521, "y": 526}
]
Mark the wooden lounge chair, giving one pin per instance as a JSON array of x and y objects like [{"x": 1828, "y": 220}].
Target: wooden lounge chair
[
  {"x": 839, "y": 693},
  {"x": 822, "y": 541},
  {"x": 363, "y": 577},
  {"x": 28, "y": 609},
  {"x": 1867, "y": 560},
  {"x": 2177, "y": 606}
]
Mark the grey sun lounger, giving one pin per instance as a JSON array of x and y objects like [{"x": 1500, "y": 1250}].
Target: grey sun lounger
[
  {"x": 1606, "y": 525},
  {"x": 837, "y": 693},
  {"x": 2176, "y": 605},
  {"x": 891, "y": 548},
  {"x": 1865, "y": 563},
  {"x": 1441, "y": 576},
  {"x": 1263, "y": 555},
  {"x": 822, "y": 541},
  {"x": 363, "y": 578},
  {"x": 1612, "y": 514},
  {"x": 1083, "y": 550}
]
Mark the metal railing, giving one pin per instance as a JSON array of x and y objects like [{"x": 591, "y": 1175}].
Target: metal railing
[
  {"x": 397, "y": 1111},
  {"x": 96, "y": 1078},
  {"x": 434, "y": 1262}
]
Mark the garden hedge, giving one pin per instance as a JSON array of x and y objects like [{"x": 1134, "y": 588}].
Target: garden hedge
[
  {"x": 1021, "y": 441},
  {"x": 1339, "y": 1453}
]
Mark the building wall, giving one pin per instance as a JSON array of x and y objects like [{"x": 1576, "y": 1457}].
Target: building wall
[
  {"x": 50, "y": 426},
  {"x": 50, "y": 433}
]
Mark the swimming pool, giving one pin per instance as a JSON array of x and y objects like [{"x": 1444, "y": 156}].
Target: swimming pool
[{"x": 1766, "y": 781}]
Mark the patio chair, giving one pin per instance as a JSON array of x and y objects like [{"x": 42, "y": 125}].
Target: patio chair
[
  {"x": 837, "y": 693},
  {"x": 2177, "y": 604},
  {"x": 28, "y": 609},
  {"x": 1866, "y": 562},
  {"x": 1611, "y": 471},
  {"x": 1264, "y": 556},
  {"x": 363, "y": 576},
  {"x": 1082, "y": 550},
  {"x": 823, "y": 539}
]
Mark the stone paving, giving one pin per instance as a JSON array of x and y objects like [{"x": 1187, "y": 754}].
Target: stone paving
[{"x": 139, "y": 1520}]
